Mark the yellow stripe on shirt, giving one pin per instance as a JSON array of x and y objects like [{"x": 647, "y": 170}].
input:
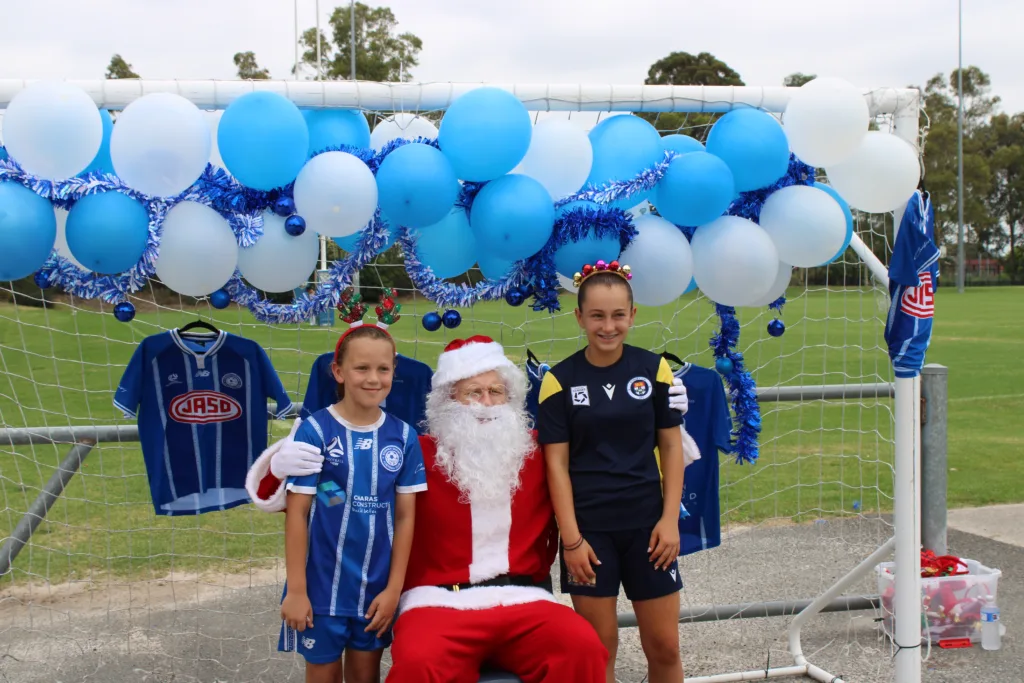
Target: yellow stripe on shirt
[
  {"x": 665, "y": 375},
  {"x": 549, "y": 386}
]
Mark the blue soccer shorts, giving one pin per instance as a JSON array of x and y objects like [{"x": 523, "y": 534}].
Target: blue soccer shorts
[{"x": 329, "y": 637}]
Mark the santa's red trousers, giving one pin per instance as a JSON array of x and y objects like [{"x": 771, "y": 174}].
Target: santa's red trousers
[{"x": 541, "y": 642}]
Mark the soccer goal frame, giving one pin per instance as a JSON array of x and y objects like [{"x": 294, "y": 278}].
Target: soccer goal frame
[{"x": 901, "y": 104}]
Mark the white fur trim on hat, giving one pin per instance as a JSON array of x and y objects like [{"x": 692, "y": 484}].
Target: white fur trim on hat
[{"x": 470, "y": 360}]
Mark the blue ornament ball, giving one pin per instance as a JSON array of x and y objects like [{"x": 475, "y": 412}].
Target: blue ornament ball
[
  {"x": 431, "y": 321},
  {"x": 525, "y": 290},
  {"x": 284, "y": 206},
  {"x": 776, "y": 328},
  {"x": 42, "y": 282},
  {"x": 451, "y": 319},
  {"x": 124, "y": 311},
  {"x": 514, "y": 297},
  {"x": 723, "y": 365},
  {"x": 220, "y": 299},
  {"x": 295, "y": 225}
]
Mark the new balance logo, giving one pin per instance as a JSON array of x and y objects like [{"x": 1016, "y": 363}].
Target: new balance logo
[
  {"x": 203, "y": 373},
  {"x": 308, "y": 643},
  {"x": 335, "y": 451},
  {"x": 919, "y": 301},
  {"x": 364, "y": 444}
]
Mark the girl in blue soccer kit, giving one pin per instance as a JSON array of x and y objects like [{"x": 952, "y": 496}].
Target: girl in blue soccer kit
[
  {"x": 348, "y": 529},
  {"x": 602, "y": 413}
]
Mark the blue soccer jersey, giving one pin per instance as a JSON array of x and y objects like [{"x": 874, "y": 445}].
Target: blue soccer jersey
[
  {"x": 351, "y": 520},
  {"x": 913, "y": 272},
  {"x": 707, "y": 421},
  {"x": 202, "y": 412},
  {"x": 407, "y": 400},
  {"x": 535, "y": 371}
]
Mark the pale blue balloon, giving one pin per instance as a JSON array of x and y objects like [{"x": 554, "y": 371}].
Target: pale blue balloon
[
  {"x": 572, "y": 256},
  {"x": 336, "y": 127},
  {"x": 512, "y": 216},
  {"x": 849, "y": 219},
  {"x": 754, "y": 146},
  {"x": 448, "y": 247},
  {"x": 263, "y": 140},
  {"x": 416, "y": 185},
  {"x": 102, "y": 162},
  {"x": 681, "y": 144},
  {"x": 494, "y": 267},
  {"x": 107, "y": 232},
  {"x": 696, "y": 189},
  {"x": 623, "y": 147},
  {"x": 485, "y": 134},
  {"x": 28, "y": 230}
]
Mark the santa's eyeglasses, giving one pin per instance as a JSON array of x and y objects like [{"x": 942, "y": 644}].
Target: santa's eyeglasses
[{"x": 496, "y": 392}]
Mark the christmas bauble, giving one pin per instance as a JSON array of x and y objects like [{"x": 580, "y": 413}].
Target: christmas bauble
[
  {"x": 723, "y": 365},
  {"x": 431, "y": 321},
  {"x": 295, "y": 225},
  {"x": 776, "y": 328},
  {"x": 124, "y": 311},
  {"x": 284, "y": 206},
  {"x": 514, "y": 297},
  {"x": 451, "y": 319},
  {"x": 220, "y": 299}
]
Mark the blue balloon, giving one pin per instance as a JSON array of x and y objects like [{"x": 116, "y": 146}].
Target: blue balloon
[
  {"x": 107, "y": 232},
  {"x": 447, "y": 247},
  {"x": 754, "y": 146},
  {"x": 28, "y": 229},
  {"x": 849, "y": 220},
  {"x": 512, "y": 216},
  {"x": 572, "y": 256},
  {"x": 263, "y": 140},
  {"x": 349, "y": 242},
  {"x": 101, "y": 163},
  {"x": 494, "y": 267},
  {"x": 3, "y": 154},
  {"x": 696, "y": 189},
  {"x": 623, "y": 147},
  {"x": 682, "y": 144},
  {"x": 485, "y": 133},
  {"x": 690, "y": 287},
  {"x": 336, "y": 127},
  {"x": 416, "y": 185}
]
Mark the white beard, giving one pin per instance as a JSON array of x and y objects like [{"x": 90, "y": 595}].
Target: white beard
[{"x": 480, "y": 449}]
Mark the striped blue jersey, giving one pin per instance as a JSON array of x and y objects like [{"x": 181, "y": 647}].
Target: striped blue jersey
[
  {"x": 707, "y": 421},
  {"x": 407, "y": 400},
  {"x": 913, "y": 272},
  {"x": 201, "y": 404},
  {"x": 351, "y": 520}
]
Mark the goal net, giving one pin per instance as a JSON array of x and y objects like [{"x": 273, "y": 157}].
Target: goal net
[{"x": 106, "y": 590}]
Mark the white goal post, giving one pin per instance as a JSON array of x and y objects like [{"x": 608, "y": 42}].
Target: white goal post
[{"x": 899, "y": 105}]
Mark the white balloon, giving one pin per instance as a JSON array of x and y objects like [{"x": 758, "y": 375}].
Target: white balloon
[
  {"x": 160, "y": 144},
  {"x": 807, "y": 226},
  {"x": 778, "y": 287},
  {"x": 406, "y": 126},
  {"x": 61, "y": 245},
  {"x": 559, "y": 157},
  {"x": 734, "y": 261},
  {"x": 825, "y": 121},
  {"x": 661, "y": 261},
  {"x": 336, "y": 194},
  {"x": 279, "y": 262},
  {"x": 881, "y": 175},
  {"x": 198, "y": 252},
  {"x": 53, "y": 130},
  {"x": 566, "y": 284}
]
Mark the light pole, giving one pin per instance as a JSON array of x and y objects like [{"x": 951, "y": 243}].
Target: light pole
[{"x": 960, "y": 258}]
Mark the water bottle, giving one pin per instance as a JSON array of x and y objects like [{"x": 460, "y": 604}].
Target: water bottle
[{"x": 990, "y": 638}]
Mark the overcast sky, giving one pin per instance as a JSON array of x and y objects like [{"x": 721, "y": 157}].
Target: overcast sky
[{"x": 868, "y": 42}]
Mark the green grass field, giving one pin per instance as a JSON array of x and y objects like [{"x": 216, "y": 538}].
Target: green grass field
[{"x": 60, "y": 366}]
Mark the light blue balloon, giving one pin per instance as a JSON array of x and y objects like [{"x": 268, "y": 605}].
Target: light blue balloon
[
  {"x": 696, "y": 189},
  {"x": 485, "y": 133},
  {"x": 102, "y": 163},
  {"x": 349, "y": 242},
  {"x": 416, "y": 185},
  {"x": 682, "y": 144},
  {"x": 107, "y": 232},
  {"x": 263, "y": 140},
  {"x": 849, "y": 219},
  {"x": 572, "y": 256},
  {"x": 448, "y": 247},
  {"x": 494, "y": 267},
  {"x": 336, "y": 127},
  {"x": 623, "y": 147},
  {"x": 28, "y": 230},
  {"x": 512, "y": 216},
  {"x": 754, "y": 146},
  {"x": 3, "y": 154}
]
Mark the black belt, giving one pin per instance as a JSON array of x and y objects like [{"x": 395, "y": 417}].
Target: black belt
[{"x": 504, "y": 580}]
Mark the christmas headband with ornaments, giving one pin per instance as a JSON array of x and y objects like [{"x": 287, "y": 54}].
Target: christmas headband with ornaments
[
  {"x": 352, "y": 310},
  {"x": 622, "y": 271}
]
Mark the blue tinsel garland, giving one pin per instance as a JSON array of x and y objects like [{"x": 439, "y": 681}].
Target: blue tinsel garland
[{"x": 747, "y": 412}]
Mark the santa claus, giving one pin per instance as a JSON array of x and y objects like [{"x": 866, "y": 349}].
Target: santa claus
[{"x": 478, "y": 588}]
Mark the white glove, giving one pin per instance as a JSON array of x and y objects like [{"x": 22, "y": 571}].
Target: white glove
[
  {"x": 677, "y": 399},
  {"x": 295, "y": 459}
]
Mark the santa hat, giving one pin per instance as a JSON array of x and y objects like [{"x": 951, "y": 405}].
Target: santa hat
[{"x": 464, "y": 358}]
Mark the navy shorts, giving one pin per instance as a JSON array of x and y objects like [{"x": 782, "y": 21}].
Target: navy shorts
[
  {"x": 624, "y": 560},
  {"x": 330, "y": 637}
]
